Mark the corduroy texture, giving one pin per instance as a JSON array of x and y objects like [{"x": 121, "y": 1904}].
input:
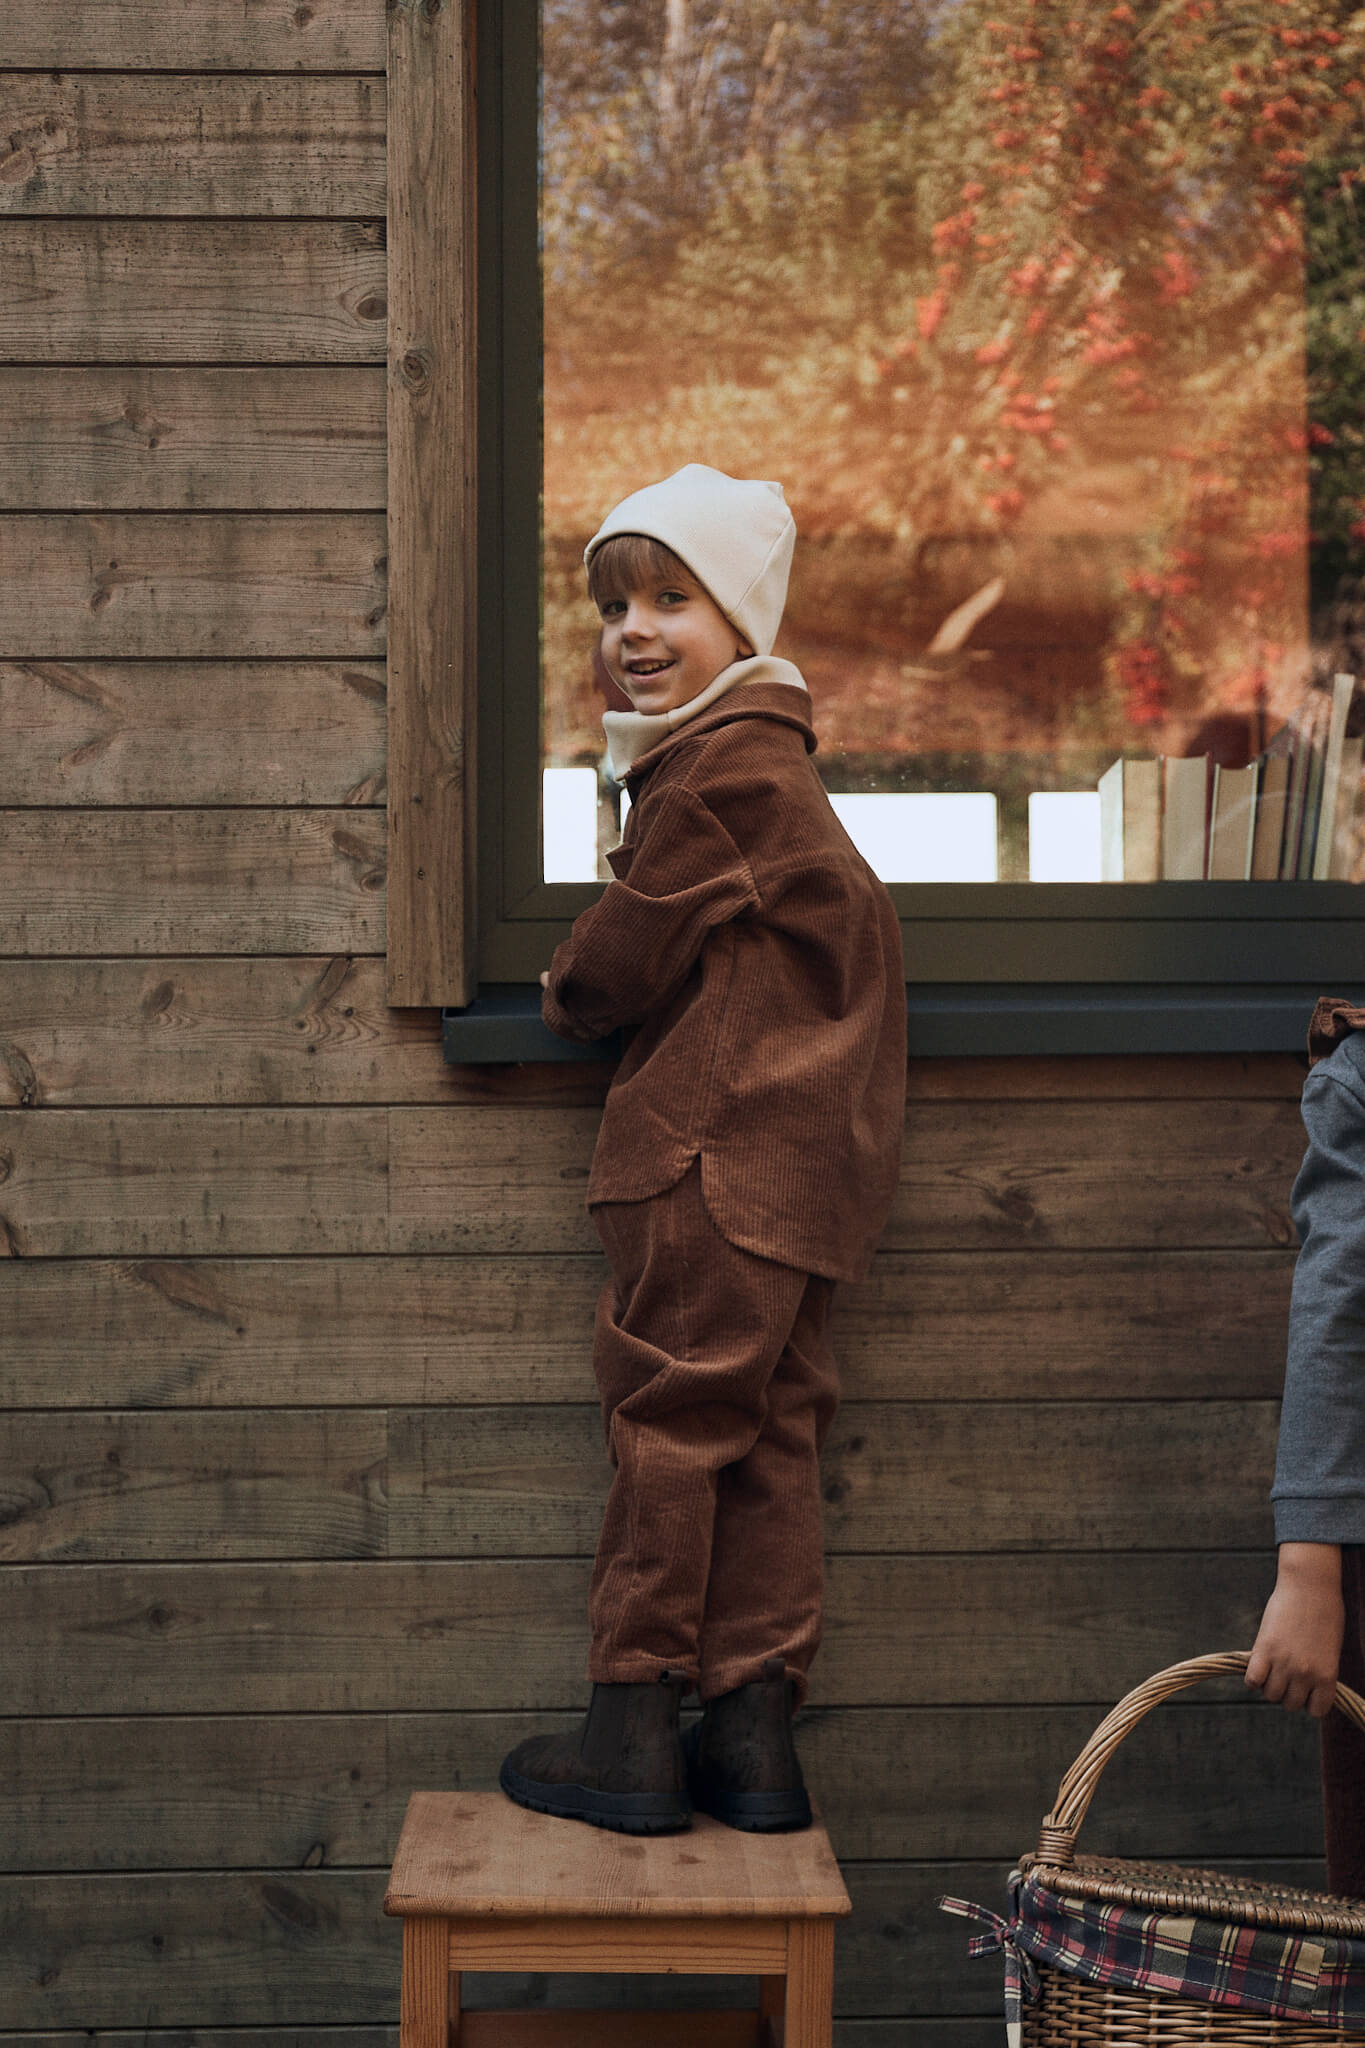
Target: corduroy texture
[
  {"x": 1343, "y": 1747},
  {"x": 734, "y": 533},
  {"x": 718, "y": 1388},
  {"x": 757, "y": 960}
]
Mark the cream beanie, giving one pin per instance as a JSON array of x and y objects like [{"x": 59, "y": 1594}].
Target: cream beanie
[{"x": 735, "y": 535}]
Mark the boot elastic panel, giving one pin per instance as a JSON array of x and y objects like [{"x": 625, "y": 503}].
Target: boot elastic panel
[{"x": 623, "y": 1769}]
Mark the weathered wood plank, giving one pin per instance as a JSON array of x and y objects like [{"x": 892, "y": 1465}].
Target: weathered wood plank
[
  {"x": 80, "y": 1182},
  {"x": 510, "y": 1182},
  {"x": 278, "y": 1332},
  {"x": 177, "y": 291},
  {"x": 213, "y": 2037},
  {"x": 197, "y": 1949},
  {"x": 117, "y": 584},
  {"x": 1017, "y": 1174},
  {"x": 499, "y": 1482},
  {"x": 1156, "y": 1077},
  {"x": 237, "y": 1484},
  {"x": 128, "y": 142},
  {"x": 530, "y": 1481},
  {"x": 252, "y": 35},
  {"x": 191, "y": 440},
  {"x": 900, "y": 1631},
  {"x": 433, "y": 505},
  {"x": 897, "y": 2033},
  {"x": 220, "y": 881},
  {"x": 245, "y": 1030},
  {"x": 284, "y": 1791},
  {"x": 215, "y": 1791},
  {"x": 264, "y": 1333},
  {"x": 222, "y": 732},
  {"x": 203, "y": 1950}
]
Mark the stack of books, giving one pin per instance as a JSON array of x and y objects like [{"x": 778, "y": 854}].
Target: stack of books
[{"x": 1288, "y": 816}]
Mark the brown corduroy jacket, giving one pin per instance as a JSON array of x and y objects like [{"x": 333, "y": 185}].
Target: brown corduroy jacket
[{"x": 756, "y": 960}]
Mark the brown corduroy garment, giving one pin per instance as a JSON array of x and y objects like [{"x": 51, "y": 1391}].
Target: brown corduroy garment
[
  {"x": 718, "y": 1388},
  {"x": 1343, "y": 1746},
  {"x": 757, "y": 961}
]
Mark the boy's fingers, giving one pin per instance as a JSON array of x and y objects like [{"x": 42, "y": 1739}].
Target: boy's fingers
[{"x": 1322, "y": 1699}]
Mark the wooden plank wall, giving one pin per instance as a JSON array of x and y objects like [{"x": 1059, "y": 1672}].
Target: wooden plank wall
[{"x": 300, "y": 1471}]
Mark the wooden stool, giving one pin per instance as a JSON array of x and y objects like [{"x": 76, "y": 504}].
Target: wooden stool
[{"x": 482, "y": 1884}]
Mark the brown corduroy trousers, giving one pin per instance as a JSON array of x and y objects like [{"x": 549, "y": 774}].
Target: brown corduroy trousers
[
  {"x": 718, "y": 1389},
  {"x": 1343, "y": 1747}
]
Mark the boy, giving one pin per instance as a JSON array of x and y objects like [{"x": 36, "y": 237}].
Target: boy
[
  {"x": 746, "y": 1161},
  {"x": 1313, "y": 1629}
]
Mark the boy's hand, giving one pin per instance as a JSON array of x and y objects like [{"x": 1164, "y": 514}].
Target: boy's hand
[
  {"x": 545, "y": 977},
  {"x": 1298, "y": 1645}
]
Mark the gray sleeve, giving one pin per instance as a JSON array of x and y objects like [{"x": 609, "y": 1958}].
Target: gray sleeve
[{"x": 1319, "y": 1490}]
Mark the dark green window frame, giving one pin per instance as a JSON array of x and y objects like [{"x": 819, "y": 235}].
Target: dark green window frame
[{"x": 990, "y": 967}]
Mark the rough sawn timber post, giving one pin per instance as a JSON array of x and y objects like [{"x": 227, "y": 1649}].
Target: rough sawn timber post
[{"x": 431, "y": 503}]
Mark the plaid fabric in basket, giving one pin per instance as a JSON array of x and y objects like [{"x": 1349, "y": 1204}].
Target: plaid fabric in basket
[{"x": 1311, "y": 1977}]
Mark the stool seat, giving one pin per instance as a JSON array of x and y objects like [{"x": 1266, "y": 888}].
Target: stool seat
[{"x": 482, "y": 1884}]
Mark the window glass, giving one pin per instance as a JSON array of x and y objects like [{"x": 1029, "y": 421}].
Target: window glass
[{"x": 1050, "y": 317}]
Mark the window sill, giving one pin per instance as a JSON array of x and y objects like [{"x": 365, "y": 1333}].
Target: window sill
[{"x": 504, "y": 1024}]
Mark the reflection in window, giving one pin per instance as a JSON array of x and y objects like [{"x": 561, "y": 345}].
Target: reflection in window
[
  {"x": 1047, "y": 315},
  {"x": 923, "y": 838},
  {"x": 1064, "y": 836}
]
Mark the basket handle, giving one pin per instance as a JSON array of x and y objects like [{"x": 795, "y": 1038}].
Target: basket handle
[{"x": 1057, "y": 1836}]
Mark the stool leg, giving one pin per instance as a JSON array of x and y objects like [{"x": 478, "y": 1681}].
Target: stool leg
[
  {"x": 772, "y": 2004},
  {"x": 810, "y": 1984},
  {"x": 426, "y": 1977}
]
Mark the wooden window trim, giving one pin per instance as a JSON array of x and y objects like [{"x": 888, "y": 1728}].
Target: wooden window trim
[{"x": 432, "y": 503}]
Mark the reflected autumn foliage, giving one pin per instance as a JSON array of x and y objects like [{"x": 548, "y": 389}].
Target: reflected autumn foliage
[{"x": 1064, "y": 298}]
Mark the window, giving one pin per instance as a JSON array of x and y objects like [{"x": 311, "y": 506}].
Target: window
[{"x": 1043, "y": 314}]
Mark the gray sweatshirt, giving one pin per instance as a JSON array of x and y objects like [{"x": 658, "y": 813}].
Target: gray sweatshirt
[{"x": 1319, "y": 1490}]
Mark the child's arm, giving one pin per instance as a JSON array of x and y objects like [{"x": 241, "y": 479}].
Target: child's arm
[
  {"x": 633, "y": 950},
  {"x": 1298, "y": 1646},
  {"x": 1319, "y": 1491}
]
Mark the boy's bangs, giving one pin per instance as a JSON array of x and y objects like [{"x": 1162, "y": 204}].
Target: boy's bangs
[{"x": 631, "y": 561}]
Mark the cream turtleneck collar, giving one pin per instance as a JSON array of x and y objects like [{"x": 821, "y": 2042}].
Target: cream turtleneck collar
[{"x": 631, "y": 734}]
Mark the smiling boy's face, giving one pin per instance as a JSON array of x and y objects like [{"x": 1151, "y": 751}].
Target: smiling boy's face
[{"x": 665, "y": 639}]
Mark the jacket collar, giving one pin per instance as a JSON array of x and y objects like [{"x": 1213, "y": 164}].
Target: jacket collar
[{"x": 776, "y": 691}]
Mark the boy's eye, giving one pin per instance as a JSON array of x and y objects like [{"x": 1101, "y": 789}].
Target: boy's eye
[
  {"x": 672, "y": 597},
  {"x": 612, "y": 607}
]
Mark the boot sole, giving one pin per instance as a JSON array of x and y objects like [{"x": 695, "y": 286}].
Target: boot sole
[
  {"x": 625, "y": 1813},
  {"x": 758, "y": 1813},
  {"x": 754, "y": 1813}
]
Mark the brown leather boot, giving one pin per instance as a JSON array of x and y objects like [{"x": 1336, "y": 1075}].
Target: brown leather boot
[
  {"x": 742, "y": 1765},
  {"x": 624, "y": 1768}
]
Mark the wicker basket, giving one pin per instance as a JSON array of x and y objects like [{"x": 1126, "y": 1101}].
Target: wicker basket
[{"x": 1071, "y": 2012}]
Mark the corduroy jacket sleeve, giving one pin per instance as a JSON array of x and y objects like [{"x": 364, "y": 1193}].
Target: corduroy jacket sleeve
[
  {"x": 1319, "y": 1490},
  {"x": 679, "y": 877}
]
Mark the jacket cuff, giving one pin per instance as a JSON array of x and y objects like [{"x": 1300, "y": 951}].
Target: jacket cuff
[
  {"x": 564, "y": 1023},
  {"x": 1334, "y": 1519}
]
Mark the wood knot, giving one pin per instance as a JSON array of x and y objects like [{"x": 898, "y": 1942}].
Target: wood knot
[
  {"x": 416, "y": 369},
  {"x": 374, "y": 306},
  {"x": 20, "y": 1069}
]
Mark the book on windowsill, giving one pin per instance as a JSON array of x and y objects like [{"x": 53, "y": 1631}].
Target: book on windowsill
[
  {"x": 1348, "y": 798},
  {"x": 1271, "y": 798},
  {"x": 1184, "y": 817},
  {"x": 1130, "y": 821},
  {"x": 1301, "y": 729},
  {"x": 1343, "y": 689},
  {"x": 1232, "y": 823}
]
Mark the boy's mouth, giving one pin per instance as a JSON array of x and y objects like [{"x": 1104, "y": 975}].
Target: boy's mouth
[{"x": 647, "y": 668}]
